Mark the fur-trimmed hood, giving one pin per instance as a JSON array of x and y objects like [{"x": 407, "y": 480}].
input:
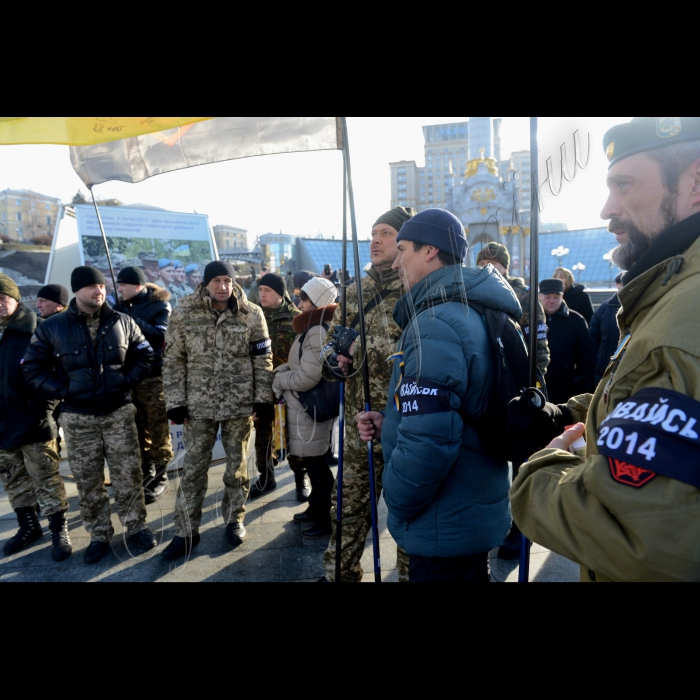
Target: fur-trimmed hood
[
  {"x": 158, "y": 293},
  {"x": 310, "y": 319}
]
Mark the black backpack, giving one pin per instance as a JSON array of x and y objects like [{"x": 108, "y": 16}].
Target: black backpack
[
  {"x": 511, "y": 366},
  {"x": 322, "y": 403}
]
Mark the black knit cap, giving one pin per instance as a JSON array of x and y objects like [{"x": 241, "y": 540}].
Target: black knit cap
[
  {"x": 551, "y": 287},
  {"x": 132, "y": 275},
  {"x": 647, "y": 134},
  {"x": 84, "y": 277},
  {"x": 397, "y": 217},
  {"x": 275, "y": 282},
  {"x": 55, "y": 293},
  {"x": 218, "y": 268}
]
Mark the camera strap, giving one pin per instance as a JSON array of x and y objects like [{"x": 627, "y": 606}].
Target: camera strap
[{"x": 378, "y": 299}]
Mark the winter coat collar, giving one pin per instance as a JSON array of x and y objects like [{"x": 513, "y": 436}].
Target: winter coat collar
[
  {"x": 563, "y": 311},
  {"x": 382, "y": 278},
  {"x": 310, "y": 319},
  {"x": 24, "y": 320},
  {"x": 648, "y": 288},
  {"x": 458, "y": 284},
  {"x": 285, "y": 312},
  {"x": 671, "y": 243},
  {"x": 237, "y": 303},
  {"x": 77, "y": 315}
]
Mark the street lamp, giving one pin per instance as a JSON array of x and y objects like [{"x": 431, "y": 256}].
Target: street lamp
[
  {"x": 560, "y": 253},
  {"x": 580, "y": 267},
  {"x": 608, "y": 257}
]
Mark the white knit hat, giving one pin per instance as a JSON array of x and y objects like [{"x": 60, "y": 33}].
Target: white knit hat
[{"x": 320, "y": 291}]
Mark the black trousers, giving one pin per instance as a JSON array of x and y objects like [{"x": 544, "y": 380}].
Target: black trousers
[
  {"x": 322, "y": 483},
  {"x": 462, "y": 570}
]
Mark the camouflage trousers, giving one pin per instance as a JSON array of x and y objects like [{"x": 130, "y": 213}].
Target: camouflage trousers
[
  {"x": 92, "y": 439},
  {"x": 200, "y": 438},
  {"x": 153, "y": 425},
  {"x": 264, "y": 453},
  {"x": 357, "y": 512},
  {"x": 30, "y": 475}
]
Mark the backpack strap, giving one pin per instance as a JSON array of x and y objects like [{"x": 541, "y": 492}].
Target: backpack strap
[{"x": 378, "y": 299}]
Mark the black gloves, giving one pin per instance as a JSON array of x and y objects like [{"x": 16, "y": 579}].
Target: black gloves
[
  {"x": 533, "y": 423},
  {"x": 265, "y": 412},
  {"x": 179, "y": 415},
  {"x": 343, "y": 340}
]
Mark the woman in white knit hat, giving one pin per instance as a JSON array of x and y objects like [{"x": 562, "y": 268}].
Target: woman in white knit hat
[{"x": 308, "y": 439}]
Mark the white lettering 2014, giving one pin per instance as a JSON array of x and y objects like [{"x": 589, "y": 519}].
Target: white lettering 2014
[
  {"x": 615, "y": 438},
  {"x": 410, "y": 407}
]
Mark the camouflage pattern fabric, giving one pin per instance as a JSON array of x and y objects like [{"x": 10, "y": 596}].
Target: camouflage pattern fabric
[
  {"x": 523, "y": 294},
  {"x": 279, "y": 325},
  {"x": 93, "y": 324},
  {"x": 200, "y": 438},
  {"x": 91, "y": 440},
  {"x": 217, "y": 364},
  {"x": 152, "y": 423},
  {"x": 383, "y": 335},
  {"x": 357, "y": 514},
  {"x": 30, "y": 475}
]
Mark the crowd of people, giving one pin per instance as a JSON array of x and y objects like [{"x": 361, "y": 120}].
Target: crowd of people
[{"x": 624, "y": 508}]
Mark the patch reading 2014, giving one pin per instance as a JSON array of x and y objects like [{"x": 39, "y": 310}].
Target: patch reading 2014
[
  {"x": 419, "y": 397},
  {"x": 261, "y": 347},
  {"x": 653, "y": 434}
]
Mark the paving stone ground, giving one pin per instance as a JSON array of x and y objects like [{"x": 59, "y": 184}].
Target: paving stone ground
[{"x": 274, "y": 552}]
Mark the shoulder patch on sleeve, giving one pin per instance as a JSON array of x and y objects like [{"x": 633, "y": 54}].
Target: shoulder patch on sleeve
[
  {"x": 144, "y": 345},
  {"x": 653, "y": 434},
  {"x": 419, "y": 397},
  {"x": 259, "y": 348}
]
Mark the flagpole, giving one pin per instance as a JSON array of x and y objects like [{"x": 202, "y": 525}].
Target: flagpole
[
  {"x": 341, "y": 422},
  {"x": 104, "y": 238},
  {"x": 365, "y": 368},
  {"x": 534, "y": 299}
]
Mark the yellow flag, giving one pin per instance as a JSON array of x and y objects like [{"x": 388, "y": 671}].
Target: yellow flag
[{"x": 84, "y": 131}]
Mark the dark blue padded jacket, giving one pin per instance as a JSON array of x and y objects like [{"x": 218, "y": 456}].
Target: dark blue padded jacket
[{"x": 446, "y": 497}]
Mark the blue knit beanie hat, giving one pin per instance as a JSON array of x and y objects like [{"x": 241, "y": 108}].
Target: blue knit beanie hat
[{"x": 439, "y": 228}]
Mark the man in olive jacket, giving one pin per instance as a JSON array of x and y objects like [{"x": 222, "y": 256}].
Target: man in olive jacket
[
  {"x": 90, "y": 358},
  {"x": 28, "y": 451},
  {"x": 629, "y": 510},
  {"x": 217, "y": 372}
]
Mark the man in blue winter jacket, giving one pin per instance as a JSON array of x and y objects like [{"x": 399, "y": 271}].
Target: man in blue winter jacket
[{"x": 447, "y": 498}]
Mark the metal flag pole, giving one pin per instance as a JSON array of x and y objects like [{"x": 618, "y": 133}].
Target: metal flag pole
[
  {"x": 365, "y": 368},
  {"x": 104, "y": 238},
  {"x": 341, "y": 421},
  {"x": 534, "y": 299}
]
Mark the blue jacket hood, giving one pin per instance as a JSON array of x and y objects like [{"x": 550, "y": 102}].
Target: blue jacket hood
[{"x": 456, "y": 283}]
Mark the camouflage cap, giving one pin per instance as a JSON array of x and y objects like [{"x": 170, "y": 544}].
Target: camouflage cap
[
  {"x": 149, "y": 257},
  {"x": 494, "y": 252}
]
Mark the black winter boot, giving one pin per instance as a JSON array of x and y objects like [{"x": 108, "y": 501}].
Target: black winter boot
[
  {"x": 62, "y": 548},
  {"x": 29, "y": 531},
  {"x": 157, "y": 485},
  {"x": 265, "y": 484},
  {"x": 303, "y": 486},
  {"x": 181, "y": 547}
]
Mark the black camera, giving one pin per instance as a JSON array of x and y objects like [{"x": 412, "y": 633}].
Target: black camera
[{"x": 327, "y": 270}]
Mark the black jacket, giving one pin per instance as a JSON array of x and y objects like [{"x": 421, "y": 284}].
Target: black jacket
[
  {"x": 151, "y": 311},
  {"x": 579, "y": 300},
  {"x": 25, "y": 419},
  {"x": 605, "y": 334},
  {"x": 91, "y": 379},
  {"x": 572, "y": 369}
]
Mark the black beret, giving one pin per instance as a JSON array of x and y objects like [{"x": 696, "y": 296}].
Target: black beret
[
  {"x": 55, "y": 293},
  {"x": 84, "y": 277},
  {"x": 132, "y": 275},
  {"x": 551, "y": 287},
  {"x": 647, "y": 134}
]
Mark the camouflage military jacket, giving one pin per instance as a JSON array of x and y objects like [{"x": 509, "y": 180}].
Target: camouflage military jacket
[
  {"x": 282, "y": 335},
  {"x": 217, "y": 364},
  {"x": 383, "y": 335},
  {"x": 523, "y": 294}
]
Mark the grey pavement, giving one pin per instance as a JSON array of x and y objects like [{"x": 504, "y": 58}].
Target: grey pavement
[{"x": 274, "y": 551}]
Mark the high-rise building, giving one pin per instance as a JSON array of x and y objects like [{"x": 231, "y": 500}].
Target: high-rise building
[
  {"x": 25, "y": 215},
  {"x": 230, "y": 238}
]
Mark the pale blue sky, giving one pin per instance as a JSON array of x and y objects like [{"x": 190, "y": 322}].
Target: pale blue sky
[{"x": 301, "y": 194}]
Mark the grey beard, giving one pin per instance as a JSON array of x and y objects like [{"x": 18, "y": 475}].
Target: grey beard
[{"x": 629, "y": 254}]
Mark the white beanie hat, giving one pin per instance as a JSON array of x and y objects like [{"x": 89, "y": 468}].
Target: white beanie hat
[{"x": 320, "y": 291}]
